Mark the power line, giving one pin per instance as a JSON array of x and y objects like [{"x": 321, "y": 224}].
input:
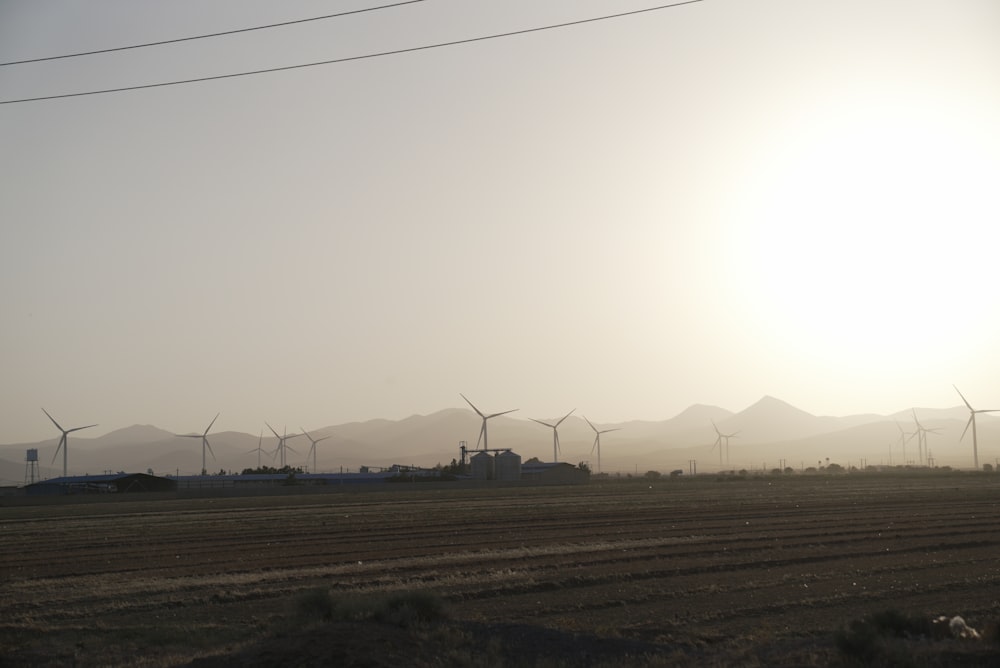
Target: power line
[
  {"x": 352, "y": 58},
  {"x": 206, "y": 36}
]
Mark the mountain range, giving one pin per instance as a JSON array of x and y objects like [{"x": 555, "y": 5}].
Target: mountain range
[{"x": 767, "y": 434}]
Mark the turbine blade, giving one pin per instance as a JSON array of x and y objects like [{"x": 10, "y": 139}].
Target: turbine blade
[
  {"x": 68, "y": 431},
  {"x": 306, "y": 433},
  {"x": 272, "y": 430},
  {"x": 58, "y": 448},
  {"x": 503, "y": 413},
  {"x": 212, "y": 422},
  {"x": 590, "y": 423},
  {"x": 471, "y": 404},
  {"x": 971, "y": 420},
  {"x": 545, "y": 423},
  {"x": 963, "y": 397},
  {"x": 564, "y": 417},
  {"x": 209, "y": 446},
  {"x": 53, "y": 420}
]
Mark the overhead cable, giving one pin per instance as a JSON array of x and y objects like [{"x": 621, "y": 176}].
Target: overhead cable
[
  {"x": 206, "y": 36},
  {"x": 351, "y": 58}
]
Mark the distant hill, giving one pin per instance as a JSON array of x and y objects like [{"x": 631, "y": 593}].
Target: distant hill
[{"x": 769, "y": 431}]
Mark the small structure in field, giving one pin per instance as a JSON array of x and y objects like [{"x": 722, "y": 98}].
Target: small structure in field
[
  {"x": 109, "y": 483},
  {"x": 554, "y": 473}
]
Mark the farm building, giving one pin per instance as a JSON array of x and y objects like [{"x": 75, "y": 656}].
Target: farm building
[
  {"x": 505, "y": 465},
  {"x": 256, "y": 480},
  {"x": 109, "y": 483},
  {"x": 555, "y": 473}
]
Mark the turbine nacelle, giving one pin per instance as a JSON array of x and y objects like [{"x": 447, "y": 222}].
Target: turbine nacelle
[
  {"x": 63, "y": 441},
  {"x": 482, "y": 431}
]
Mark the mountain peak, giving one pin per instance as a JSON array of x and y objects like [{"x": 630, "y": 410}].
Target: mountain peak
[{"x": 768, "y": 405}]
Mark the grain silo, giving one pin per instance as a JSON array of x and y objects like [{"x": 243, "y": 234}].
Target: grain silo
[
  {"x": 508, "y": 466},
  {"x": 481, "y": 465}
]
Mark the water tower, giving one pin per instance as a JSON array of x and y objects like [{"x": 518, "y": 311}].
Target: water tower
[{"x": 31, "y": 466}]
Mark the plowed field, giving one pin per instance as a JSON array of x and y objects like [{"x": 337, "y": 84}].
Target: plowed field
[{"x": 706, "y": 569}]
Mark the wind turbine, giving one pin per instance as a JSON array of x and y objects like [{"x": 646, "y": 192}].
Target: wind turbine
[
  {"x": 258, "y": 449},
  {"x": 972, "y": 421},
  {"x": 482, "y": 432},
  {"x": 719, "y": 441},
  {"x": 597, "y": 441},
  {"x": 555, "y": 434},
  {"x": 281, "y": 443},
  {"x": 204, "y": 442},
  {"x": 904, "y": 437},
  {"x": 312, "y": 450},
  {"x": 922, "y": 437},
  {"x": 62, "y": 441}
]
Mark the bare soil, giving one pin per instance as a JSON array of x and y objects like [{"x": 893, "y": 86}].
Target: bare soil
[{"x": 707, "y": 571}]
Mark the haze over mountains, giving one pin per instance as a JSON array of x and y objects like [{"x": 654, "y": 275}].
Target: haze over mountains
[{"x": 767, "y": 432}]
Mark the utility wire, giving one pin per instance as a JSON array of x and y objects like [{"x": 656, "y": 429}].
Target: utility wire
[
  {"x": 213, "y": 34},
  {"x": 353, "y": 58}
]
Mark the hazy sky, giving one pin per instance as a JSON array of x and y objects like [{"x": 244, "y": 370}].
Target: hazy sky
[{"x": 702, "y": 204}]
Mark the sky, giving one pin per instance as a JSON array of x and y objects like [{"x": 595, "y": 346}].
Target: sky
[{"x": 702, "y": 204}]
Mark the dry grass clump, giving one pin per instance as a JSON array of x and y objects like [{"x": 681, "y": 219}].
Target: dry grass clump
[
  {"x": 400, "y": 608},
  {"x": 892, "y": 638}
]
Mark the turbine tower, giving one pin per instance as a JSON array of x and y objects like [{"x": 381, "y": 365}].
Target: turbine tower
[
  {"x": 904, "y": 438},
  {"x": 922, "y": 438},
  {"x": 258, "y": 449},
  {"x": 555, "y": 434},
  {"x": 482, "y": 432},
  {"x": 722, "y": 439},
  {"x": 62, "y": 441},
  {"x": 972, "y": 421},
  {"x": 597, "y": 441},
  {"x": 204, "y": 442},
  {"x": 281, "y": 443},
  {"x": 312, "y": 450}
]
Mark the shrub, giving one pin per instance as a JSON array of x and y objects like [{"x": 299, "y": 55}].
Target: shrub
[
  {"x": 405, "y": 608},
  {"x": 874, "y": 640},
  {"x": 315, "y": 604}
]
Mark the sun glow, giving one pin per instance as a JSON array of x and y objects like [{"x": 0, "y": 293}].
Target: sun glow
[{"x": 868, "y": 238}]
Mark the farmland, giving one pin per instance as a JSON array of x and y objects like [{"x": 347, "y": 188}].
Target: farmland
[{"x": 754, "y": 571}]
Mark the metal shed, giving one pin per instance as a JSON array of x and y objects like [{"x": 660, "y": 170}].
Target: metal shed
[{"x": 108, "y": 483}]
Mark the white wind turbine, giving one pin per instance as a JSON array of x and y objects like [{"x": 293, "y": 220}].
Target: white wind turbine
[
  {"x": 204, "y": 442},
  {"x": 922, "y": 438},
  {"x": 63, "y": 441},
  {"x": 972, "y": 421},
  {"x": 312, "y": 450},
  {"x": 556, "y": 449},
  {"x": 904, "y": 437},
  {"x": 597, "y": 441},
  {"x": 282, "y": 446},
  {"x": 258, "y": 449},
  {"x": 482, "y": 432},
  {"x": 722, "y": 439}
]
